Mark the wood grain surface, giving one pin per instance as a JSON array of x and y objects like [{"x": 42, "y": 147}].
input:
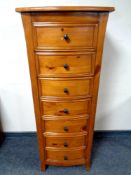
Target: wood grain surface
[
  {"x": 66, "y": 8},
  {"x": 64, "y": 47},
  {"x": 65, "y": 64}
]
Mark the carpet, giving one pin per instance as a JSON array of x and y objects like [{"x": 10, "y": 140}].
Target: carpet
[{"x": 111, "y": 155}]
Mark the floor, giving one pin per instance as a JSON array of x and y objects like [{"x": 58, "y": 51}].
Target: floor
[{"x": 111, "y": 156}]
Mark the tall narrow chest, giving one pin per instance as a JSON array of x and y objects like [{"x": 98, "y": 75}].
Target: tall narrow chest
[{"x": 64, "y": 46}]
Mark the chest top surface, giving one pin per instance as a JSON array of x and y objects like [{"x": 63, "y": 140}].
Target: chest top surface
[{"x": 66, "y": 8}]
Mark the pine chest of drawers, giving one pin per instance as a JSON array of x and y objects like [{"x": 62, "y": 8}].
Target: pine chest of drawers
[{"x": 64, "y": 46}]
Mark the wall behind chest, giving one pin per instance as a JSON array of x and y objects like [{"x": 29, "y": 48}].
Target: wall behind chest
[{"x": 114, "y": 103}]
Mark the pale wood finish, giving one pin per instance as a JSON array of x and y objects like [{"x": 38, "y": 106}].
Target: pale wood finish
[
  {"x": 67, "y": 125},
  {"x": 30, "y": 51},
  {"x": 57, "y": 107},
  {"x": 101, "y": 35},
  {"x": 50, "y": 36},
  {"x": 65, "y": 65},
  {"x": 65, "y": 96},
  {"x": 60, "y": 155},
  {"x": 65, "y": 142},
  {"x": 74, "y": 87},
  {"x": 65, "y": 17},
  {"x": 65, "y": 163},
  {"x": 66, "y": 8}
]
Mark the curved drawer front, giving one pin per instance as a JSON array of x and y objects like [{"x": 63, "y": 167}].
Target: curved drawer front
[
  {"x": 65, "y": 65},
  {"x": 65, "y": 87},
  {"x": 66, "y": 126},
  {"x": 60, "y": 108},
  {"x": 62, "y": 155},
  {"x": 50, "y": 36},
  {"x": 65, "y": 142}
]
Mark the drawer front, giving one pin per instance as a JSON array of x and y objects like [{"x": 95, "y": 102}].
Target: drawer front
[
  {"x": 66, "y": 126},
  {"x": 65, "y": 87},
  {"x": 65, "y": 65},
  {"x": 65, "y": 142},
  {"x": 62, "y": 155},
  {"x": 65, "y": 17},
  {"x": 66, "y": 36},
  {"x": 60, "y": 108}
]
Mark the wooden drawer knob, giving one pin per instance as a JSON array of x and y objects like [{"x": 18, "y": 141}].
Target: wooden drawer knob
[
  {"x": 66, "y": 128},
  {"x": 66, "y": 66},
  {"x": 66, "y": 111},
  {"x": 66, "y": 37},
  {"x": 66, "y": 90},
  {"x": 65, "y": 158},
  {"x": 65, "y": 144}
]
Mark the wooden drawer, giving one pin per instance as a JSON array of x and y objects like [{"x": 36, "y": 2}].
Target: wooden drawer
[
  {"x": 65, "y": 155},
  {"x": 65, "y": 36},
  {"x": 65, "y": 108},
  {"x": 66, "y": 17},
  {"x": 65, "y": 64},
  {"x": 65, "y": 141},
  {"x": 65, "y": 87},
  {"x": 68, "y": 125}
]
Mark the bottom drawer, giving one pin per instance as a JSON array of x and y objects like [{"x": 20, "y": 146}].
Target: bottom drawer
[{"x": 65, "y": 155}]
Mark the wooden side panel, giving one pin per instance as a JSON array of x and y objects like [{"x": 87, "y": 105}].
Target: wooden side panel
[
  {"x": 26, "y": 18},
  {"x": 101, "y": 35}
]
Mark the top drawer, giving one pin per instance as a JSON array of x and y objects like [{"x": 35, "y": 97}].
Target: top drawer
[
  {"x": 65, "y": 36},
  {"x": 66, "y": 17}
]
